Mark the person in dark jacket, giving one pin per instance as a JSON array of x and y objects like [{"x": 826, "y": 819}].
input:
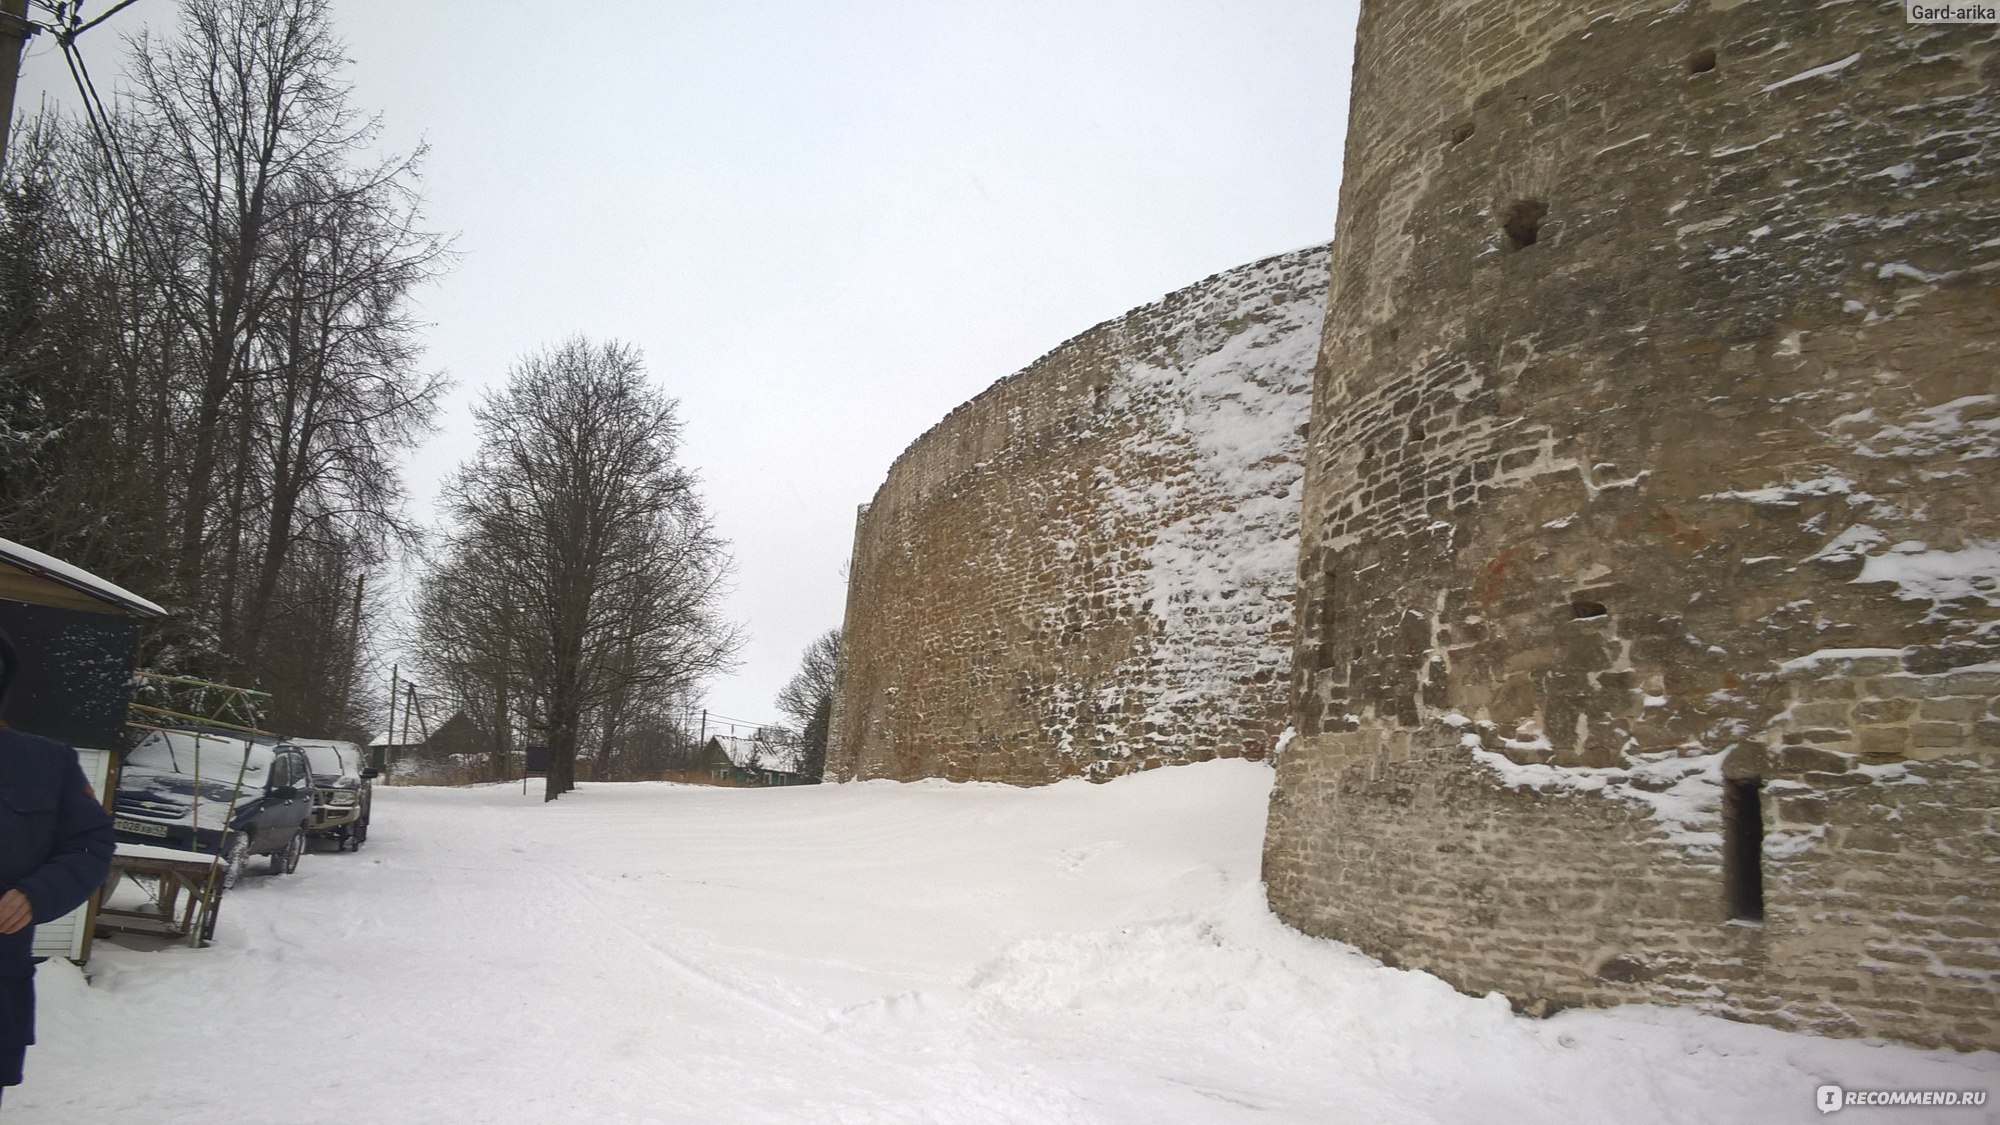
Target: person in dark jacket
[{"x": 55, "y": 848}]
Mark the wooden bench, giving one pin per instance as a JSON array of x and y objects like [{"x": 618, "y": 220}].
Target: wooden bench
[{"x": 186, "y": 897}]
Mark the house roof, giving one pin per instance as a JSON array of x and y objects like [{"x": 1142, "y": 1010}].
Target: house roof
[
  {"x": 744, "y": 753},
  {"x": 27, "y": 575},
  {"x": 414, "y": 736}
]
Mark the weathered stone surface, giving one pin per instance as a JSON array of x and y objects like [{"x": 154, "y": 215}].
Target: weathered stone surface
[
  {"x": 1088, "y": 569},
  {"x": 1655, "y": 442}
]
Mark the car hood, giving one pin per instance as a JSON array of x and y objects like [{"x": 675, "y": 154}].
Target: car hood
[{"x": 174, "y": 798}]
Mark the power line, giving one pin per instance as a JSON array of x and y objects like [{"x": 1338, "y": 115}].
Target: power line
[
  {"x": 715, "y": 718},
  {"x": 104, "y": 131},
  {"x": 76, "y": 12}
]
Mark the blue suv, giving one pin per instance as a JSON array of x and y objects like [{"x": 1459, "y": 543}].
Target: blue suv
[{"x": 222, "y": 794}]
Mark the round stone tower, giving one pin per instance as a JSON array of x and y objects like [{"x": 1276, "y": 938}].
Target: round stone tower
[{"x": 1649, "y": 600}]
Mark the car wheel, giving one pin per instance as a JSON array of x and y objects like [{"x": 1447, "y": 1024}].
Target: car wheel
[
  {"x": 285, "y": 860},
  {"x": 237, "y": 858},
  {"x": 357, "y": 835}
]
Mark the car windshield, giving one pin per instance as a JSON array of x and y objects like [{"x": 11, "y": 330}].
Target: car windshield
[
  {"x": 325, "y": 757},
  {"x": 207, "y": 755}
]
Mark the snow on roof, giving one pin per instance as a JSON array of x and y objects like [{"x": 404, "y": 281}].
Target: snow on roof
[
  {"x": 748, "y": 753},
  {"x": 76, "y": 578}
]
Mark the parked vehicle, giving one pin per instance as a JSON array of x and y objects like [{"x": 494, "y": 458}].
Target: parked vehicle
[
  {"x": 216, "y": 793},
  {"x": 343, "y": 795}
]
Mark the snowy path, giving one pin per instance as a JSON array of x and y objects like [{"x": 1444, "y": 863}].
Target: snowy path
[{"x": 857, "y": 953}]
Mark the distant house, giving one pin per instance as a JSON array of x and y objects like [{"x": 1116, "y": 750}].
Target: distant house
[
  {"x": 78, "y": 636},
  {"x": 456, "y": 753},
  {"x": 743, "y": 763},
  {"x": 458, "y": 735}
]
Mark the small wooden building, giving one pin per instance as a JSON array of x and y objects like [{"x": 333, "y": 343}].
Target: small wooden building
[{"x": 78, "y": 636}]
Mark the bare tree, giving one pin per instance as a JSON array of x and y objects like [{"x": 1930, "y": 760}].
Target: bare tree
[
  {"x": 580, "y": 567},
  {"x": 241, "y": 114},
  {"x": 807, "y": 698},
  {"x": 208, "y": 362},
  {"x": 339, "y": 392}
]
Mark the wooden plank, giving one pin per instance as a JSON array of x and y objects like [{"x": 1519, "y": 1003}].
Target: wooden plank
[
  {"x": 69, "y": 935},
  {"x": 26, "y": 586}
]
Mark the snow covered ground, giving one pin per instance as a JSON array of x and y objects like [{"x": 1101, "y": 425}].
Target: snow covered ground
[{"x": 871, "y": 952}]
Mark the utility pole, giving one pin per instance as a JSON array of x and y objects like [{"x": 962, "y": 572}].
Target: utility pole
[
  {"x": 416, "y": 705},
  {"x": 15, "y": 31},
  {"x": 395, "y": 690}
]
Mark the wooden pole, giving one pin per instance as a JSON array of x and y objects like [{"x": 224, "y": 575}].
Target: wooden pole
[
  {"x": 395, "y": 689},
  {"x": 14, "y": 33}
]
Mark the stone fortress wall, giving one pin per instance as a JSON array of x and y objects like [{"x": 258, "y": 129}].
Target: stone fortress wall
[
  {"x": 1088, "y": 568},
  {"x": 1649, "y": 606}
]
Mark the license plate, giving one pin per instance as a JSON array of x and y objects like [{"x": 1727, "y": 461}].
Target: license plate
[{"x": 140, "y": 827}]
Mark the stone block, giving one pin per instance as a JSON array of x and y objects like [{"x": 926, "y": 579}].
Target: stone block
[
  {"x": 1821, "y": 713},
  {"x": 1882, "y": 740},
  {"x": 1802, "y": 810},
  {"x": 1800, "y": 759},
  {"x": 1900, "y": 687},
  {"x": 1952, "y": 710},
  {"x": 1972, "y": 683},
  {"x": 1870, "y": 711},
  {"x": 1939, "y": 734}
]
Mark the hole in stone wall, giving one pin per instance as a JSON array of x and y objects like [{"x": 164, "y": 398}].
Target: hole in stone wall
[
  {"x": 1743, "y": 847},
  {"x": 1702, "y": 61},
  {"x": 1460, "y": 133},
  {"x": 1524, "y": 223},
  {"x": 1582, "y": 609}
]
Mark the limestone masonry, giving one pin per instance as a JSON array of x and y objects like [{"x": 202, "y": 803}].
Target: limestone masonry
[
  {"x": 1649, "y": 606},
  {"x": 1088, "y": 569}
]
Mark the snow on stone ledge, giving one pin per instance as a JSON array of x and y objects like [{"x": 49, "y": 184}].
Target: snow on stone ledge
[
  {"x": 1921, "y": 573},
  {"x": 1682, "y": 793}
]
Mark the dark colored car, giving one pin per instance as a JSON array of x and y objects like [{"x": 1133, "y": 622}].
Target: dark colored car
[
  {"x": 220, "y": 794},
  {"x": 343, "y": 797}
]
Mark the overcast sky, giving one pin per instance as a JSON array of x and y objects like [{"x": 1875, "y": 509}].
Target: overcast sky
[{"x": 825, "y": 223}]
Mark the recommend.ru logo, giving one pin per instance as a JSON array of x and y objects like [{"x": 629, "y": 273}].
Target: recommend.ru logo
[{"x": 1833, "y": 1099}]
